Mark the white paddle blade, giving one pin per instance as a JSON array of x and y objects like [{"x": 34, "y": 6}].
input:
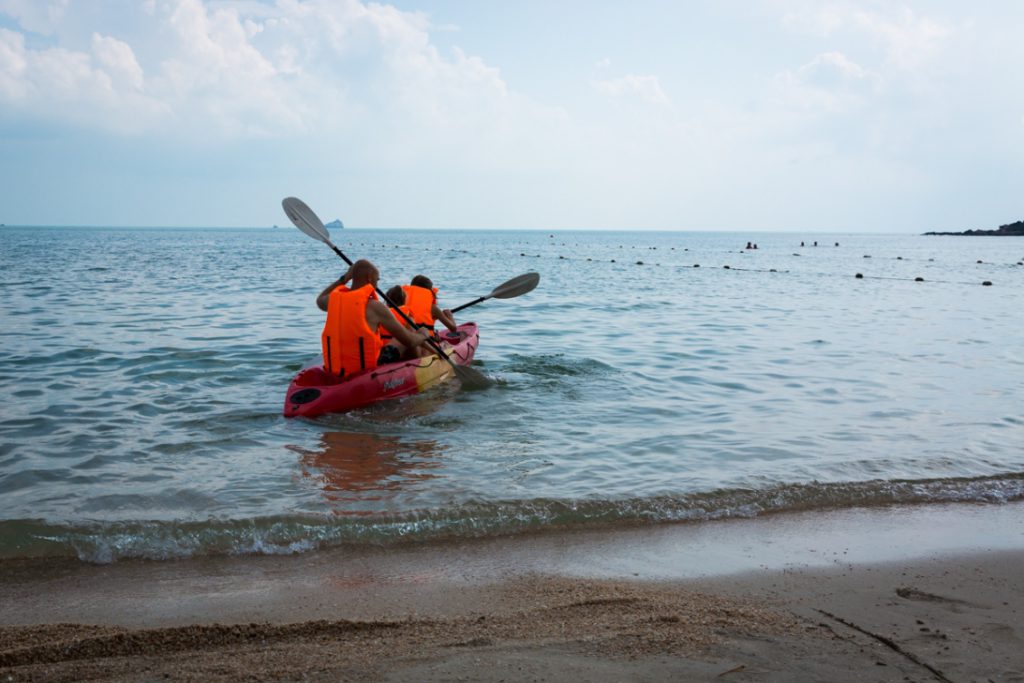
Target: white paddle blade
[
  {"x": 517, "y": 286},
  {"x": 303, "y": 218}
]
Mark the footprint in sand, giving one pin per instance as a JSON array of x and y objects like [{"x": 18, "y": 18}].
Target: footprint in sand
[{"x": 953, "y": 604}]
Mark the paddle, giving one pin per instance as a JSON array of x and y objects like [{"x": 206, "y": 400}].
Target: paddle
[
  {"x": 308, "y": 222},
  {"x": 517, "y": 286}
]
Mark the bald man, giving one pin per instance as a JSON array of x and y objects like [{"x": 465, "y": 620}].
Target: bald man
[{"x": 351, "y": 339}]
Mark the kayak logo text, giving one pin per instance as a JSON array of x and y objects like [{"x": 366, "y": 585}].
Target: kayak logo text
[{"x": 392, "y": 383}]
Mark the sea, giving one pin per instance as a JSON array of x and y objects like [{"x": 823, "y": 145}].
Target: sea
[{"x": 651, "y": 378}]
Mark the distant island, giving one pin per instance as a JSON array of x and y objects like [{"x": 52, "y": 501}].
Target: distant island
[
  {"x": 1016, "y": 229},
  {"x": 336, "y": 223}
]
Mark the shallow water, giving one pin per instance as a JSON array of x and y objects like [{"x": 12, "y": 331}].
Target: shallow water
[{"x": 142, "y": 374}]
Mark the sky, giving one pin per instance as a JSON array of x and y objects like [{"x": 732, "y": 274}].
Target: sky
[{"x": 830, "y": 116}]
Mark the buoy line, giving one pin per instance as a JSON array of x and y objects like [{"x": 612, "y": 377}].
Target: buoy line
[{"x": 561, "y": 257}]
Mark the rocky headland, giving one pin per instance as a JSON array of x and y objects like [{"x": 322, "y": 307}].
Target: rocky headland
[{"x": 1010, "y": 229}]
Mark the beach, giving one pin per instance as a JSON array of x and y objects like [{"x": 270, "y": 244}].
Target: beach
[
  {"x": 935, "y": 596},
  {"x": 813, "y": 478}
]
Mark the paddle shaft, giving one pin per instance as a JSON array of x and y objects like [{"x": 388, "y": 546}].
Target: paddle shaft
[{"x": 471, "y": 303}]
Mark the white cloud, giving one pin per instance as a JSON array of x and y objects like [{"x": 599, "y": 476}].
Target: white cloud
[
  {"x": 647, "y": 88},
  {"x": 831, "y": 82},
  {"x": 118, "y": 59},
  {"x": 816, "y": 20},
  {"x": 830, "y": 68},
  {"x": 37, "y": 16},
  {"x": 907, "y": 38},
  {"x": 247, "y": 69},
  {"x": 13, "y": 63}
]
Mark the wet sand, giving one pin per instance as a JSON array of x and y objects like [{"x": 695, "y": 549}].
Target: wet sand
[{"x": 931, "y": 593}]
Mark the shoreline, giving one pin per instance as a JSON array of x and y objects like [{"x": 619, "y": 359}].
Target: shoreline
[{"x": 821, "y": 595}]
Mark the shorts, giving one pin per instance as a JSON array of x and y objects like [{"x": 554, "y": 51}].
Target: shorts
[{"x": 389, "y": 354}]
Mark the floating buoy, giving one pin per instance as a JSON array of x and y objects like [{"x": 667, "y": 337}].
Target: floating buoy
[
  {"x": 980, "y": 261},
  {"x": 899, "y": 258},
  {"x": 613, "y": 260},
  {"x": 522, "y": 254},
  {"x": 561, "y": 258},
  {"x": 639, "y": 263},
  {"x": 859, "y": 276},
  {"x": 918, "y": 279},
  {"x": 987, "y": 283}
]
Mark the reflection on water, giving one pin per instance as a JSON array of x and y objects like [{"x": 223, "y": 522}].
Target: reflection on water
[{"x": 355, "y": 468}]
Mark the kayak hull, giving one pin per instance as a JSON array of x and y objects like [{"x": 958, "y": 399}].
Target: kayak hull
[{"x": 315, "y": 391}]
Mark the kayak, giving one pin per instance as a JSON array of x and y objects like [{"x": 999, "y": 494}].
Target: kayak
[{"x": 315, "y": 391}]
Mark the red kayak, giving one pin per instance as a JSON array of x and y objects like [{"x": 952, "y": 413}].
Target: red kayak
[{"x": 314, "y": 391}]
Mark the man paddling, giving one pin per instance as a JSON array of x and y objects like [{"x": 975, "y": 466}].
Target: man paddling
[{"x": 351, "y": 340}]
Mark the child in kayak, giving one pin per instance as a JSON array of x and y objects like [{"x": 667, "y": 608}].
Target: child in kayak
[
  {"x": 397, "y": 296},
  {"x": 421, "y": 298}
]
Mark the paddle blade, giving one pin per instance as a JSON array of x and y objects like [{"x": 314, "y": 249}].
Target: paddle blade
[
  {"x": 303, "y": 218},
  {"x": 517, "y": 286},
  {"x": 471, "y": 378}
]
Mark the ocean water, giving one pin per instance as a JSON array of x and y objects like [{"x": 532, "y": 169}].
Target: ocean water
[{"x": 142, "y": 377}]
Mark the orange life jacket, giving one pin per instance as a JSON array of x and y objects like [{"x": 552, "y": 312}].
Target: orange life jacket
[
  {"x": 349, "y": 345},
  {"x": 384, "y": 334},
  {"x": 420, "y": 302}
]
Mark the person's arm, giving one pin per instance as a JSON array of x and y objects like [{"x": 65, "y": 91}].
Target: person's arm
[
  {"x": 379, "y": 314},
  {"x": 324, "y": 296},
  {"x": 445, "y": 316}
]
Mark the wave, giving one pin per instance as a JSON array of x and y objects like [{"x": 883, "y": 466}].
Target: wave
[{"x": 290, "y": 534}]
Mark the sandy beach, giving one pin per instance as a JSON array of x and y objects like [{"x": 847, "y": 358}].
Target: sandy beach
[{"x": 930, "y": 593}]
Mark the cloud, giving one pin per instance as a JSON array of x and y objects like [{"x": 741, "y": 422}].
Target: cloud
[
  {"x": 93, "y": 89},
  {"x": 245, "y": 70},
  {"x": 37, "y": 16},
  {"x": 118, "y": 60},
  {"x": 830, "y": 83},
  {"x": 646, "y": 88},
  {"x": 908, "y": 39},
  {"x": 830, "y": 69}
]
